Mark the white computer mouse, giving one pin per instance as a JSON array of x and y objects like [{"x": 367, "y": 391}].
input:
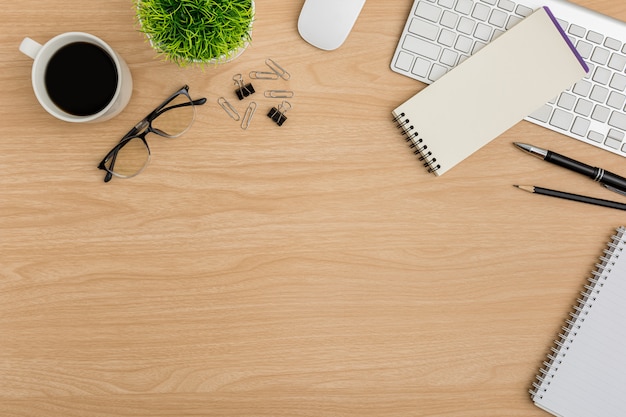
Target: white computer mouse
[{"x": 327, "y": 23}]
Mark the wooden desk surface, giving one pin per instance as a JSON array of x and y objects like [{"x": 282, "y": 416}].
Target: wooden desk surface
[{"x": 309, "y": 270}]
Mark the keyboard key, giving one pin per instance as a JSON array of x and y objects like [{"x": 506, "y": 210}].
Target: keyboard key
[
  {"x": 613, "y": 44},
  {"x": 421, "y": 47},
  {"x": 496, "y": 33},
  {"x": 577, "y": 30},
  {"x": 615, "y": 134},
  {"x": 600, "y": 55},
  {"x": 449, "y": 19},
  {"x": 561, "y": 119},
  {"x": 492, "y": 2},
  {"x": 513, "y": 20},
  {"x": 572, "y": 39},
  {"x": 580, "y": 126},
  {"x": 566, "y": 101},
  {"x": 424, "y": 29},
  {"x": 599, "y": 94},
  {"x": 447, "y": 37},
  {"x": 436, "y": 72},
  {"x": 478, "y": 45},
  {"x": 466, "y": 25},
  {"x": 618, "y": 120},
  {"x": 582, "y": 88},
  {"x": 584, "y": 49},
  {"x": 595, "y": 136},
  {"x": 600, "y": 113},
  {"x": 404, "y": 61},
  {"x": 464, "y": 6},
  {"x": 446, "y": 3},
  {"x": 498, "y": 18},
  {"x": 523, "y": 10},
  {"x": 614, "y": 139},
  {"x": 591, "y": 68},
  {"x": 602, "y": 75},
  {"x": 481, "y": 12},
  {"x": 428, "y": 11},
  {"x": 483, "y": 32},
  {"x": 421, "y": 67},
  {"x": 618, "y": 82},
  {"x": 583, "y": 107},
  {"x": 617, "y": 62},
  {"x": 594, "y": 37},
  {"x": 542, "y": 114},
  {"x": 463, "y": 44},
  {"x": 616, "y": 100},
  {"x": 507, "y": 5},
  {"x": 613, "y": 142},
  {"x": 562, "y": 23},
  {"x": 448, "y": 57}
]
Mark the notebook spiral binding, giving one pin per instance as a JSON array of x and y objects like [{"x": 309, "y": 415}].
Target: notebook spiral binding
[
  {"x": 577, "y": 316},
  {"x": 416, "y": 143}
]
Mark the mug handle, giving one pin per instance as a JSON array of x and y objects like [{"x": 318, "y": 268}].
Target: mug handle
[{"x": 30, "y": 47}]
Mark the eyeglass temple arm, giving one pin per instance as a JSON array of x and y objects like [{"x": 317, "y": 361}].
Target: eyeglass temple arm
[
  {"x": 197, "y": 102},
  {"x": 143, "y": 123}
]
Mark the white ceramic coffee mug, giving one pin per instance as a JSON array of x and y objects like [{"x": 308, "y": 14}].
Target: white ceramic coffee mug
[{"x": 42, "y": 55}]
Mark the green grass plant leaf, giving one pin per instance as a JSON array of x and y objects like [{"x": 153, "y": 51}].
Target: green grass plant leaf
[{"x": 188, "y": 31}]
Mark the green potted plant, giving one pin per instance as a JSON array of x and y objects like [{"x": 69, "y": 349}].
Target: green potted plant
[{"x": 197, "y": 31}]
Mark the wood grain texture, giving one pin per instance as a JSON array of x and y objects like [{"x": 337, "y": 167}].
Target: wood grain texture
[{"x": 309, "y": 270}]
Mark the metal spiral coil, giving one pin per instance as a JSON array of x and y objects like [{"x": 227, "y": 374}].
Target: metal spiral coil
[
  {"x": 577, "y": 316},
  {"x": 416, "y": 143}
]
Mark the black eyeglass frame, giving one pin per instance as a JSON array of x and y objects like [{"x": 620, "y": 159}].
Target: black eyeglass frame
[{"x": 141, "y": 130}]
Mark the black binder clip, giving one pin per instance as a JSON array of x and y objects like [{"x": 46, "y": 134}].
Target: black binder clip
[
  {"x": 242, "y": 90},
  {"x": 278, "y": 114}
]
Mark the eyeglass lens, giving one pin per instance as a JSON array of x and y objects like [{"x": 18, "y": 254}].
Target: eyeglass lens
[
  {"x": 131, "y": 158},
  {"x": 171, "y": 121},
  {"x": 175, "y": 118}
]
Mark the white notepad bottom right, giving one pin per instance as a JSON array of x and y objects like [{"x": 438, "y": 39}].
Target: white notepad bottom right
[{"x": 590, "y": 381}]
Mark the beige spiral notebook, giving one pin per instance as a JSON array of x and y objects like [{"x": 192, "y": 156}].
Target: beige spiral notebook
[
  {"x": 585, "y": 373},
  {"x": 489, "y": 92}
]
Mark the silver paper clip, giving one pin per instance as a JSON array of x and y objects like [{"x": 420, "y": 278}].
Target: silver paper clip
[
  {"x": 278, "y": 114},
  {"x": 242, "y": 90},
  {"x": 280, "y": 71},
  {"x": 278, "y": 94},
  {"x": 247, "y": 116},
  {"x": 263, "y": 75},
  {"x": 228, "y": 108}
]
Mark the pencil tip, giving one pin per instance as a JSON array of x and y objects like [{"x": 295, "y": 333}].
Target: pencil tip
[
  {"x": 515, "y": 185},
  {"x": 529, "y": 188}
]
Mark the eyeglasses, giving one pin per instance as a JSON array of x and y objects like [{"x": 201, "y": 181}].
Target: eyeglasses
[{"x": 170, "y": 120}]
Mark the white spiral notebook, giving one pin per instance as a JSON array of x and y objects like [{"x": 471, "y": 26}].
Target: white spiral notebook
[
  {"x": 489, "y": 92},
  {"x": 585, "y": 373}
]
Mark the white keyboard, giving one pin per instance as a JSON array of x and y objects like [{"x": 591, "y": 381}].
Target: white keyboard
[{"x": 440, "y": 34}]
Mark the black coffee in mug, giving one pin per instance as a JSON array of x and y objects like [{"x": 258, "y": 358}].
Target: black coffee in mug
[{"x": 81, "y": 78}]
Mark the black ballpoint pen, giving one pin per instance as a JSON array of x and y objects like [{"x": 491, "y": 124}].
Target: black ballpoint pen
[{"x": 611, "y": 181}]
